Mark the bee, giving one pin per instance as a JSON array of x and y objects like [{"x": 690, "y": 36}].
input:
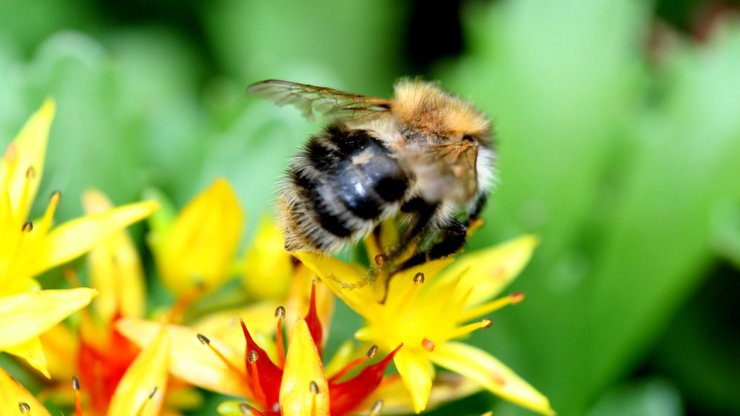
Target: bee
[{"x": 424, "y": 157}]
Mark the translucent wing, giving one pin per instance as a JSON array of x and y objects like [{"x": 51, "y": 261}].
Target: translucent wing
[
  {"x": 457, "y": 162},
  {"x": 448, "y": 169},
  {"x": 319, "y": 101}
]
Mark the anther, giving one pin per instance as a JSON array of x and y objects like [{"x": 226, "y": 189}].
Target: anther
[
  {"x": 253, "y": 356},
  {"x": 27, "y": 227},
  {"x": 377, "y": 408},
  {"x": 75, "y": 383},
  {"x": 372, "y": 351},
  {"x": 280, "y": 312},
  {"x": 314, "y": 387},
  {"x": 516, "y": 297},
  {"x": 30, "y": 172},
  {"x": 154, "y": 391},
  {"x": 203, "y": 339},
  {"x": 24, "y": 407},
  {"x": 56, "y": 195},
  {"x": 380, "y": 259},
  {"x": 419, "y": 278},
  {"x": 486, "y": 323},
  {"x": 427, "y": 344}
]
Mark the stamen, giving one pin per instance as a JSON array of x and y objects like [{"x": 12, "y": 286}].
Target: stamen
[
  {"x": 354, "y": 363},
  {"x": 427, "y": 344},
  {"x": 27, "y": 227},
  {"x": 491, "y": 306},
  {"x": 279, "y": 342},
  {"x": 46, "y": 220},
  {"x": 372, "y": 351},
  {"x": 410, "y": 293},
  {"x": 380, "y": 259},
  {"x": 314, "y": 388},
  {"x": 148, "y": 400},
  {"x": 377, "y": 408},
  {"x": 248, "y": 410},
  {"x": 24, "y": 202},
  {"x": 207, "y": 342},
  {"x": 24, "y": 407},
  {"x": 485, "y": 323},
  {"x": 78, "y": 401},
  {"x": 264, "y": 376}
]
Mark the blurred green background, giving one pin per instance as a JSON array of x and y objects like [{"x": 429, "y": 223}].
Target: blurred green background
[{"x": 618, "y": 127}]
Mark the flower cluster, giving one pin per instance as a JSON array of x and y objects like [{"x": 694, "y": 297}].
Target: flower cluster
[{"x": 263, "y": 342}]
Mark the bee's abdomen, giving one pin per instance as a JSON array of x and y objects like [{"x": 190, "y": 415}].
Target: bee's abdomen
[{"x": 338, "y": 188}]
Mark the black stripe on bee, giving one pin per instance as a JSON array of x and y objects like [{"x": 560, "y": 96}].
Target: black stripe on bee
[
  {"x": 318, "y": 193},
  {"x": 345, "y": 179}
]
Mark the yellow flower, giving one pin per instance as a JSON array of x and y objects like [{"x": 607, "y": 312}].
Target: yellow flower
[
  {"x": 28, "y": 248},
  {"x": 428, "y": 308},
  {"x": 195, "y": 251},
  {"x": 101, "y": 355},
  {"x": 267, "y": 266},
  {"x": 274, "y": 382}
]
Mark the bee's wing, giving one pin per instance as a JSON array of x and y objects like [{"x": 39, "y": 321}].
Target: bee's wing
[
  {"x": 319, "y": 101},
  {"x": 456, "y": 164}
]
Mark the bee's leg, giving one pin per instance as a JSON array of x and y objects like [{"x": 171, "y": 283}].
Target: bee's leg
[
  {"x": 477, "y": 208},
  {"x": 421, "y": 213},
  {"x": 454, "y": 236}
]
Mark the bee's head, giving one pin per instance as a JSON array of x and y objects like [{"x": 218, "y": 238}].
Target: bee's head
[{"x": 423, "y": 105}]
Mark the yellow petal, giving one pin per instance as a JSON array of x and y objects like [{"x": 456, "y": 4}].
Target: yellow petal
[
  {"x": 302, "y": 369},
  {"x": 27, "y": 315},
  {"x": 141, "y": 390},
  {"x": 346, "y": 281},
  {"x": 115, "y": 268},
  {"x": 15, "y": 398},
  {"x": 192, "y": 361},
  {"x": 489, "y": 271},
  {"x": 446, "y": 387},
  {"x": 27, "y": 151},
  {"x": 199, "y": 249},
  {"x": 78, "y": 236},
  {"x": 267, "y": 266},
  {"x": 32, "y": 352},
  {"x": 417, "y": 374},
  {"x": 490, "y": 373},
  {"x": 60, "y": 348}
]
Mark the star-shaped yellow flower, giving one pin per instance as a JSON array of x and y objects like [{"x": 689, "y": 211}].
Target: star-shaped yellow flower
[
  {"x": 275, "y": 381},
  {"x": 96, "y": 353},
  {"x": 30, "y": 247},
  {"x": 428, "y": 308}
]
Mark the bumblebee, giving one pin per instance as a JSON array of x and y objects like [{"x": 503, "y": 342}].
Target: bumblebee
[{"x": 423, "y": 158}]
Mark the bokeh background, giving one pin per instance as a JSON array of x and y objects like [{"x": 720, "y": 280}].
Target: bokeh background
[{"x": 618, "y": 125}]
